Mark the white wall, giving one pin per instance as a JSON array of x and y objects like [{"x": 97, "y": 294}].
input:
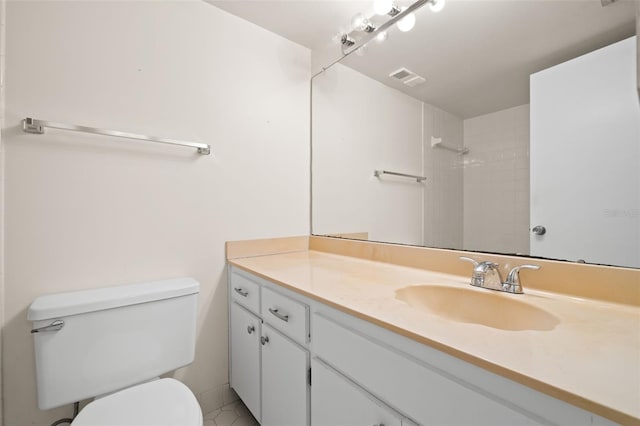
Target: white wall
[
  {"x": 85, "y": 211},
  {"x": 478, "y": 201},
  {"x": 361, "y": 125},
  {"x": 496, "y": 182}
]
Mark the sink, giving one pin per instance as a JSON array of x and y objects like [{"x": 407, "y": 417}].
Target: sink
[{"x": 478, "y": 306}]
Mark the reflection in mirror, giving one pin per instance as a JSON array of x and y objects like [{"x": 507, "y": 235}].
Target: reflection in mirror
[{"x": 502, "y": 157}]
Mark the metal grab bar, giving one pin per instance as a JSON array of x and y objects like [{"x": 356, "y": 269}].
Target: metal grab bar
[
  {"x": 460, "y": 151},
  {"x": 437, "y": 143},
  {"x": 32, "y": 125},
  {"x": 378, "y": 173}
]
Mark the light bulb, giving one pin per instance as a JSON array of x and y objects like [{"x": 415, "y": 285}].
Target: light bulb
[
  {"x": 436, "y": 5},
  {"x": 362, "y": 50},
  {"x": 407, "y": 23},
  {"x": 359, "y": 22},
  {"x": 382, "y": 7},
  {"x": 381, "y": 37}
]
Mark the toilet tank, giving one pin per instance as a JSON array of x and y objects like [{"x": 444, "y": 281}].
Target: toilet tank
[{"x": 112, "y": 337}]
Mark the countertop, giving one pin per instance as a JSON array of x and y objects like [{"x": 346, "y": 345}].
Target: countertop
[{"x": 591, "y": 359}]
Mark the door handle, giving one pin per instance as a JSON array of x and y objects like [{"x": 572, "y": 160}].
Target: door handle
[{"x": 539, "y": 230}]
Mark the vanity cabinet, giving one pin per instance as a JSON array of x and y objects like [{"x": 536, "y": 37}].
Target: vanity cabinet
[
  {"x": 268, "y": 357},
  {"x": 338, "y": 401},
  {"x": 285, "y": 386},
  {"x": 419, "y": 390},
  {"x": 244, "y": 339},
  {"x": 321, "y": 366}
]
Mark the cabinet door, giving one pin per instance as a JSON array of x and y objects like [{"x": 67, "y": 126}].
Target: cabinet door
[
  {"x": 245, "y": 357},
  {"x": 335, "y": 401},
  {"x": 285, "y": 390}
]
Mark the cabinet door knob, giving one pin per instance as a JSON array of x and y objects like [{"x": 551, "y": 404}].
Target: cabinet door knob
[
  {"x": 539, "y": 230},
  {"x": 241, "y": 292},
  {"x": 264, "y": 340},
  {"x": 250, "y": 329}
]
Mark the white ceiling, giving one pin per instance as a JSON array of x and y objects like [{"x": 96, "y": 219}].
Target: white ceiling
[{"x": 476, "y": 55}]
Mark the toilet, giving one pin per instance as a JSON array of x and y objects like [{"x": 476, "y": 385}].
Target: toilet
[{"x": 112, "y": 344}]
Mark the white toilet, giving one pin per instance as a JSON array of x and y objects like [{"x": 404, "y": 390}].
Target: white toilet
[{"x": 112, "y": 344}]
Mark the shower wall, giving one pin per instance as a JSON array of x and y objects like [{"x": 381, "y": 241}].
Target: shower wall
[
  {"x": 444, "y": 190},
  {"x": 496, "y": 181}
]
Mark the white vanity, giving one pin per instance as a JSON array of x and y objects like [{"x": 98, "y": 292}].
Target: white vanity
[
  {"x": 269, "y": 339},
  {"x": 307, "y": 348}
]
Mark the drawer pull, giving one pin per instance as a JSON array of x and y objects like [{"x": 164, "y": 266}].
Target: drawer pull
[
  {"x": 275, "y": 312},
  {"x": 250, "y": 329},
  {"x": 264, "y": 340},
  {"x": 241, "y": 292}
]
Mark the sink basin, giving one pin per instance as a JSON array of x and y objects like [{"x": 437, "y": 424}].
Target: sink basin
[{"x": 478, "y": 306}]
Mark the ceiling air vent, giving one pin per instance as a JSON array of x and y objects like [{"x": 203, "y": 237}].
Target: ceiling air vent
[
  {"x": 409, "y": 78},
  {"x": 414, "y": 81}
]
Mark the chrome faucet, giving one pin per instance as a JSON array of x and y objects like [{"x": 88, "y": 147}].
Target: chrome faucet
[
  {"x": 512, "y": 284},
  {"x": 487, "y": 275}
]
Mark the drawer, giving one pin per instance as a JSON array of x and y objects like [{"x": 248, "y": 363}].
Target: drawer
[
  {"x": 428, "y": 395},
  {"x": 286, "y": 315},
  {"x": 245, "y": 292},
  {"x": 336, "y": 401}
]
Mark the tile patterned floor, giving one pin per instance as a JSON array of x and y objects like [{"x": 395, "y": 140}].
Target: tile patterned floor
[{"x": 234, "y": 414}]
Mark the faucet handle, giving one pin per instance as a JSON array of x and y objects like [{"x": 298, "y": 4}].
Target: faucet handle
[
  {"x": 468, "y": 259},
  {"x": 512, "y": 284},
  {"x": 485, "y": 274},
  {"x": 480, "y": 267}
]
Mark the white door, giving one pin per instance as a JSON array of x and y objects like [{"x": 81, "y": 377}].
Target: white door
[
  {"x": 285, "y": 388},
  {"x": 585, "y": 158},
  {"x": 338, "y": 402},
  {"x": 245, "y": 357}
]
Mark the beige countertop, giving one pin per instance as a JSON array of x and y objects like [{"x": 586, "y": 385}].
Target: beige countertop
[{"x": 591, "y": 358}]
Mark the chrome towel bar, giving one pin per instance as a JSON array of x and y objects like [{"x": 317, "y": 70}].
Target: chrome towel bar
[
  {"x": 32, "y": 125},
  {"x": 378, "y": 173}
]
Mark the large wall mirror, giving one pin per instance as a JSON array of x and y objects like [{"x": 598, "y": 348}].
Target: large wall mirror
[{"x": 465, "y": 100}]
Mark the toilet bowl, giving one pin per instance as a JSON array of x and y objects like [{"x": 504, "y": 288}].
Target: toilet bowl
[
  {"x": 164, "y": 402},
  {"x": 116, "y": 341}
]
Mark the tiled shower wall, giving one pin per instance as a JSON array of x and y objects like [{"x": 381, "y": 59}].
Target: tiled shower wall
[
  {"x": 496, "y": 182},
  {"x": 480, "y": 200},
  {"x": 443, "y": 193}
]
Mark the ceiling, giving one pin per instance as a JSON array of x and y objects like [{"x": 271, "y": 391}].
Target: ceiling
[{"x": 476, "y": 55}]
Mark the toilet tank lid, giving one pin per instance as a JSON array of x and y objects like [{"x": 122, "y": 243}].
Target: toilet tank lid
[{"x": 77, "y": 302}]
